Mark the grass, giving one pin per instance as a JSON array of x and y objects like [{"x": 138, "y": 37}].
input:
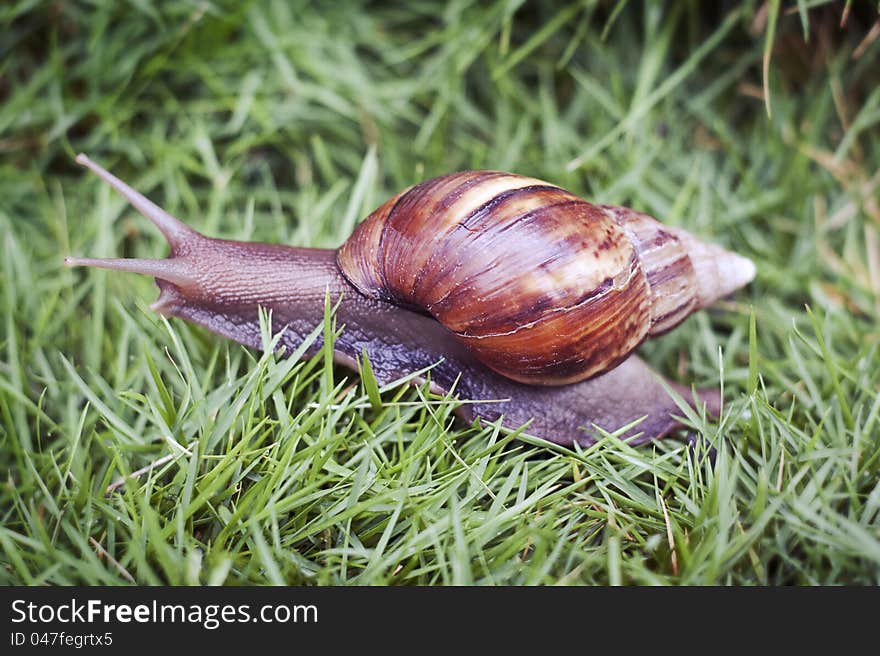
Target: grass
[{"x": 755, "y": 124}]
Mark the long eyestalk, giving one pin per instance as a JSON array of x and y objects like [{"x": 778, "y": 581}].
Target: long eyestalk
[
  {"x": 175, "y": 269},
  {"x": 176, "y": 232}
]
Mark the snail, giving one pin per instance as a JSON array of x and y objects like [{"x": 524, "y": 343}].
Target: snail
[{"x": 523, "y": 298}]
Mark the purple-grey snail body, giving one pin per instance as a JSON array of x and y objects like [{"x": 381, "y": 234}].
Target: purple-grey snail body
[{"x": 525, "y": 299}]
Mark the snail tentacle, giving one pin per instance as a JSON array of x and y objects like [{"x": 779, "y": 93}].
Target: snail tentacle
[
  {"x": 175, "y": 231},
  {"x": 174, "y": 270}
]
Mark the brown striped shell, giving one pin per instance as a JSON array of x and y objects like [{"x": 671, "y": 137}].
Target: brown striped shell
[{"x": 542, "y": 286}]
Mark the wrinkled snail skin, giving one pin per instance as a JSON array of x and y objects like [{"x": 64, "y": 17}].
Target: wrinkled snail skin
[{"x": 220, "y": 284}]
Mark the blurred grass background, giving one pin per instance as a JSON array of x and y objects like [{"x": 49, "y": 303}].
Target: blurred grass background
[{"x": 751, "y": 123}]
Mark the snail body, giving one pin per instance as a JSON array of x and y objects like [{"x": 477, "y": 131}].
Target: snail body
[{"x": 524, "y": 298}]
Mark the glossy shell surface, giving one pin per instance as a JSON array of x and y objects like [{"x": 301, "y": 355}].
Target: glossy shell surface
[{"x": 542, "y": 286}]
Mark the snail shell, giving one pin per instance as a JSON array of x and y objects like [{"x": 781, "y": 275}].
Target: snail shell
[{"x": 542, "y": 286}]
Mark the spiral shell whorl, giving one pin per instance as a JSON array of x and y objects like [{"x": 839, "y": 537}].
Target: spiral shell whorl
[{"x": 542, "y": 286}]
